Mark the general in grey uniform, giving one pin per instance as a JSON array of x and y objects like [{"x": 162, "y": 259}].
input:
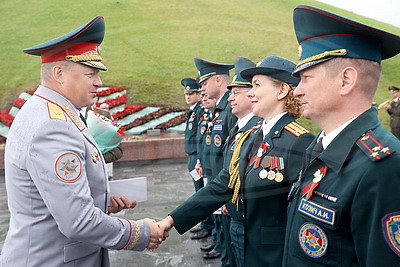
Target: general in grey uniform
[{"x": 55, "y": 174}]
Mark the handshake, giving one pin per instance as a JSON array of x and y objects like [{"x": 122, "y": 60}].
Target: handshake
[{"x": 159, "y": 231}]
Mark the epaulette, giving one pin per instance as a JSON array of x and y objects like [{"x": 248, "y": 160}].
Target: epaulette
[
  {"x": 55, "y": 111},
  {"x": 296, "y": 129},
  {"x": 72, "y": 115},
  {"x": 373, "y": 148}
]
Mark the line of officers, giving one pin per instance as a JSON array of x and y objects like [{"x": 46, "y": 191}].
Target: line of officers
[{"x": 270, "y": 192}]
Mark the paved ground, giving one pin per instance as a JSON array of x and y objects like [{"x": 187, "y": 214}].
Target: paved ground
[{"x": 168, "y": 186}]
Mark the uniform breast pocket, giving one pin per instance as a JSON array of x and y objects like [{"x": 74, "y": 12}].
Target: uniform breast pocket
[
  {"x": 317, "y": 233},
  {"x": 78, "y": 250}
]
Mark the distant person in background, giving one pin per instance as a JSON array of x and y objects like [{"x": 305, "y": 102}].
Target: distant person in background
[
  {"x": 393, "y": 108},
  {"x": 56, "y": 182},
  {"x": 192, "y": 98},
  {"x": 203, "y": 167},
  {"x": 214, "y": 79}
]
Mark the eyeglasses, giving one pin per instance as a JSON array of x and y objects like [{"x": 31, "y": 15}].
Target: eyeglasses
[{"x": 236, "y": 92}]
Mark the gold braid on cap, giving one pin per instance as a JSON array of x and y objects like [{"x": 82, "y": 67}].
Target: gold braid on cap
[
  {"x": 93, "y": 55},
  {"x": 338, "y": 52},
  {"x": 234, "y": 181},
  {"x": 208, "y": 74}
]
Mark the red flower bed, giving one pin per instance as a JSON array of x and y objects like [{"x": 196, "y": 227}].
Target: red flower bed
[
  {"x": 129, "y": 109},
  {"x": 172, "y": 122},
  {"x": 6, "y": 118},
  {"x": 119, "y": 100},
  {"x": 151, "y": 116},
  {"x": 19, "y": 102},
  {"x": 110, "y": 91}
]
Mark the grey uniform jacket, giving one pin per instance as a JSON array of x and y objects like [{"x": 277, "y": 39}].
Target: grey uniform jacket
[{"x": 57, "y": 191}]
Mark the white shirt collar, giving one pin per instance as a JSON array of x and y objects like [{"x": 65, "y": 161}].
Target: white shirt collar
[
  {"x": 267, "y": 125},
  {"x": 327, "y": 139},
  {"x": 192, "y": 106},
  {"x": 219, "y": 100},
  {"x": 243, "y": 121}
]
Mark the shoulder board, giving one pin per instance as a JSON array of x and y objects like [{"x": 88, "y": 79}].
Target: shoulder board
[
  {"x": 55, "y": 111},
  {"x": 296, "y": 129},
  {"x": 72, "y": 115},
  {"x": 372, "y": 147}
]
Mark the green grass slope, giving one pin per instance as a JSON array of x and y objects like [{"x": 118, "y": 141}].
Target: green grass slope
[{"x": 149, "y": 45}]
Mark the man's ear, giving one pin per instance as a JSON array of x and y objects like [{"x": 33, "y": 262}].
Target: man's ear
[
  {"x": 283, "y": 91},
  {"x": 348, "y": 79},
  {"x": 57, "y": 72}
]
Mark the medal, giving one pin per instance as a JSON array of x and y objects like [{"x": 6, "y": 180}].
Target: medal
[
  {"x": 271, "y": 175},
  {"x": 278, "y": 177},
  {"x": 263, "y": 174},
  {"x": 308, "y": 190},
  {"x": 259, "y": 152}
]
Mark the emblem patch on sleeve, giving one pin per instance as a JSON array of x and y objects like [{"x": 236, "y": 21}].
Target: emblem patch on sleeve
[
  {"x": 313, "y": 240},
  {"x": 68, "y": 167},
  {"x": 391, "y": 231}
]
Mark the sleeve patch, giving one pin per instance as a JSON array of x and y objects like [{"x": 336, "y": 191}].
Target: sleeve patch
[
  {"x": 68, "y": 167},
  {"x": 296, "y": 129},
  {"x": 391, "y": 231}
]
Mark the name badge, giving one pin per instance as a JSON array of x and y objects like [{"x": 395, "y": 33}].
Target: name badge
[
  {"x": 217, "y": 127},
  {"x": 317, "y": 211}
]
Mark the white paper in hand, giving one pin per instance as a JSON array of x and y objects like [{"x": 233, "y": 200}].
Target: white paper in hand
[
  {"x": 195, "y": 175},
  {"x": 132, "y": 188}
]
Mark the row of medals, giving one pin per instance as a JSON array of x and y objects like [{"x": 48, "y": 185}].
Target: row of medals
[{"x": 271, "y": 174}]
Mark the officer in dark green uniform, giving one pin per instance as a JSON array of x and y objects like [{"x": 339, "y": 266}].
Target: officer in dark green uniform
[
  {"x": 345, "y": 207},
  {"x": 393, "y": 109},
  {"x": 192, "y": 97},
  {"x": 266, "y": 165},
  {"x": 214, "y": 78},
  {"x": 241, "y": 108}
]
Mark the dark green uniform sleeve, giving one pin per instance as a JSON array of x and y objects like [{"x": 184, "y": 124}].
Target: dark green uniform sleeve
[
  {"x": 379, "y": 191},
  {"x": 203, "y": 203},
  {"x": 113, "y": 154}
]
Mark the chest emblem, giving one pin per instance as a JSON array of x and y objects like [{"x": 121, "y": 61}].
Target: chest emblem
[
  {"x": 208, "y": 139},
  {"x": 68, "y": 167},
  {"x": 217, "y": 140},
  {"x": 391, "y": 231},
  {"x": 190, "y": 126},
  {"x": 95, "y": 157},
  {"x": 313, "y": 240},
  {"x": 203, "y": 129}
]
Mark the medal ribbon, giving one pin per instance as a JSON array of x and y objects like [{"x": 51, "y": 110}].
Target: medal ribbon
[
  {"x": 309, "y": 189},
  {"x": 257, "y": 158}
]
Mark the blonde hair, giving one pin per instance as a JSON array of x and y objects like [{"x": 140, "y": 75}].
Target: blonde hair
[{"x": 292, "y": 103}]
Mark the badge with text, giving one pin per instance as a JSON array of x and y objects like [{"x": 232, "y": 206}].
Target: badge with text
[
  {"x": 190, "y": 126},
  {"x": 68, "y": 167},
  {"x": 313, "y": 240},
  {"x": 391, "y": 231},
  {"x": 317, "y": 211}
]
